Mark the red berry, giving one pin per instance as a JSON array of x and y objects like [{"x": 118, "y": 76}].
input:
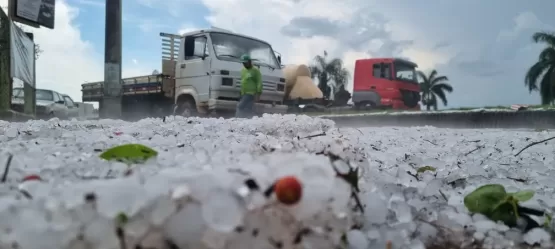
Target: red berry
[
  {"x": 117, "y": 133},
  {"x": 288, "y": 190},
  {"x": 32, "y": 177}
]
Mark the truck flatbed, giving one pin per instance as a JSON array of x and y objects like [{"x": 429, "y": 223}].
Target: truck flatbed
[{"x": 140, "y": 85}]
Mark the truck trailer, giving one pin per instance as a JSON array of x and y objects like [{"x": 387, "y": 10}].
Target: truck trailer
[{"x": 200, "y": 77}]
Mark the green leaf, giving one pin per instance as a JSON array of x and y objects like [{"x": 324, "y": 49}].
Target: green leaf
[
  {"x": 547, "y": 222},
  {"x": 121, "y": 219},
  {"x": 424, "y": 169},
  {"x": 523, "y": 195},
  {"x": 129, "y": 153},
  {"x": 485, "y": 198},
  {"x": 505, "y": 213}
]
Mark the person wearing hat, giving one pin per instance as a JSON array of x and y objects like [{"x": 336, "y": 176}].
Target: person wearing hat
[{"x": 251, "y": 88}]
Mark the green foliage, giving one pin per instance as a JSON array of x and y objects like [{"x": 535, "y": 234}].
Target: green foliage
[
  {"x": 434, "y": 87},
  {"x": 523, "y": 195},
  {"x": 548, "y": 219},
  {"x": 121, "y": 219},
  {"x": 494, "y": 202},
  {"x": 424, "y": 169},
  {"x": 129, "y": 153},
  {"x": 541, "y": 76},
  {"x": 329, "y": 73}
]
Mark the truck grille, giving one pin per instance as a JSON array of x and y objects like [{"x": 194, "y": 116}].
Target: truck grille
[{"x": 266, "y": 85}]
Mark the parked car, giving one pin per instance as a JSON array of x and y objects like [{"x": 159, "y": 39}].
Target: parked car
[
  {"x": 50, "y": 103},
  {"x": 73, "y": 108}
]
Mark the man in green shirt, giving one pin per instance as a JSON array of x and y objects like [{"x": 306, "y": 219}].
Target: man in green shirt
[{"x": 251, "y": 88}]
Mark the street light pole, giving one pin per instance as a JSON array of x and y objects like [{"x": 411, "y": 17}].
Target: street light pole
[{"x": 111, "y": 102}]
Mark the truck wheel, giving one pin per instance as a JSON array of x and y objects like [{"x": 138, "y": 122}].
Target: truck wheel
[
  {"x": 186, "y": 108},
  {"x": 365, "y": 105},
  {"x": 410, "y": 99}
]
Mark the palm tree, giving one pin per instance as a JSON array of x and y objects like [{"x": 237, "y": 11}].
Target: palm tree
[
  {"x": 327, "y": 72},
  {"x": 434, "y": 87},
  {"x": 341, "y": 96},
  {"x": 544, "y": 69}
]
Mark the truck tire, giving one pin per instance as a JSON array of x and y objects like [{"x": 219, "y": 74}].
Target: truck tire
[
  {"x": 185, "y": 108},
  {"x": 365, "y": 105},
  {"x": 410, "y": 99}
]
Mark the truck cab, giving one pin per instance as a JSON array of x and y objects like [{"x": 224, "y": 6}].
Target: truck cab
[
  {"x": 204, "y": 71},
  {"x": 201, "y": 74},
  {"x": 386, "y": 82}
]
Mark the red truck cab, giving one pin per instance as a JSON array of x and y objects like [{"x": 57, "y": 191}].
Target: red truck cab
[{"x": 386, "y": 82}]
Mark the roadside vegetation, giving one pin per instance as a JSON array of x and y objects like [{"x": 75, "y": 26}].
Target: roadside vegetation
[
  {"x": 332, "y": 76},
  {"x": 433, "y": 88},
  {"x": 541, "y": 76}
]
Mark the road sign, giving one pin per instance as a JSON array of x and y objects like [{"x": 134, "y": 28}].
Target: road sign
[{"x": 34, "y": 13}]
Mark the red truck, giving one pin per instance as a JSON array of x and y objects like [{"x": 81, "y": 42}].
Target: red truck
[{"x": 386, "y": 83}]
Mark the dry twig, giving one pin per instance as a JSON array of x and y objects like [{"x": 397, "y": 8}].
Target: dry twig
[
  {"x": 7, "y": 168},
  {"x": 472, "y": 151},
  {"x": 534, "y": 143}
]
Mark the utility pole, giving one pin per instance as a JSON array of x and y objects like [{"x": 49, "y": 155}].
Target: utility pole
[
  {"x": 29, "y": 88},
  {"x": 111, "y": 102}
]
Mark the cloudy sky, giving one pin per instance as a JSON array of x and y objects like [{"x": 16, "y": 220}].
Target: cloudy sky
[{"x": 484, "y": 47}]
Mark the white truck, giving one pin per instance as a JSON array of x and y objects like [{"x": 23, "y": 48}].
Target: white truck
[{"x": 200, "y": 76}]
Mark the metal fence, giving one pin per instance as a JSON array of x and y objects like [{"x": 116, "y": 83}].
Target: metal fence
[{"x": 533, "y": 119}]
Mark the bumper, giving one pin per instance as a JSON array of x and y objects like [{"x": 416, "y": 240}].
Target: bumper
[
  {"x": 41, "y": 112},
  {"x": 229, "y": 105},
  {"x": 397, "y": 104},
  {"x": 228, "y": 92}
]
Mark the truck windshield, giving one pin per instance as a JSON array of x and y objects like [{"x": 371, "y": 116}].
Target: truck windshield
[
  {"x": 232, "y": 47},
  {"x": 405, "y": 72}
]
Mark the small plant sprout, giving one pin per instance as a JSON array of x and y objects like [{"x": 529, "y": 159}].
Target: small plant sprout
[
  {"x": 424, "y": 169},
  {"x": 493, "y": 201}
]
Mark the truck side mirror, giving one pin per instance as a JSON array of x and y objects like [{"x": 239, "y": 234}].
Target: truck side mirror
[
  {"x": 189, "y": 46},
  {"x": 279, "y": 59},
  {"x": 382, "y": 70}
]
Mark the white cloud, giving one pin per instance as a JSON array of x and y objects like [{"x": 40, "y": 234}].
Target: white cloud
[
  {"x": 149, "y": 25},
  {"x": 145, "y": 24},
  {"x": 185, "y": 28},
  {"x": 522, "y": 22},
  {"x": 94, "y": 3}
]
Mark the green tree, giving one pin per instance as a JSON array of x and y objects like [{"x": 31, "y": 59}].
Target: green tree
[
  {"x": 543, "y": 71},
  {"x": 433, "y": 87},
  {"x": 328, "y": 73},
  {"x": 341, "y": 96}
]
